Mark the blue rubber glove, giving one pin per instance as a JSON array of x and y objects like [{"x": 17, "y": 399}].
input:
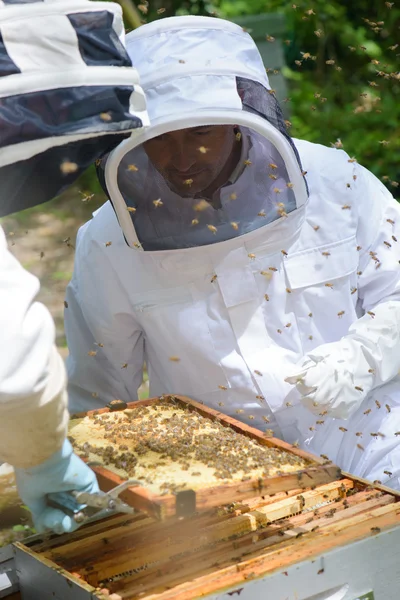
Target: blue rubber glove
[{"x": 62, "y": 472}]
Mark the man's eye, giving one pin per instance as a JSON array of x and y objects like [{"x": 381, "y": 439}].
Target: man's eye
[{"x": 202, "y": 132}]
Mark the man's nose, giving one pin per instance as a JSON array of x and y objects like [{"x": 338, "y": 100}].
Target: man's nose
[{"x": 182, "y": 158}]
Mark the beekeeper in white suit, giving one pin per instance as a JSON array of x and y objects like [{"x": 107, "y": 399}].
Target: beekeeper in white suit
[
  {"x": 68, "y": 93},
  {"x": 251, "y": 272}
]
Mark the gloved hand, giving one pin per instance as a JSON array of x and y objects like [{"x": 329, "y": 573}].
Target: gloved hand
[
  {"x": 62, "y": 472},
  {"x": 337, "y": 377}
]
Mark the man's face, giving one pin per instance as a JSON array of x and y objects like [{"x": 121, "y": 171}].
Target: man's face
[{"x": 191, "y": 160}]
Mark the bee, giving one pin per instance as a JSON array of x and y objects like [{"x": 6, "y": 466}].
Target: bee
[
  {"x": 67, "y": 167},
  {"x": 261, "y": 214},
  {"x": 323, "y": 413},
  {"x": 326, "y": 254},
  {"x": 312, "y": 428},
  {"x": 234, "y": 225},
  {"x": 272, "y": 166},
  {"x": 358, "y": 388},
  {"x": 288, "y": 290},
  {"x": 108, "y": 244},
  {"x": 272, "y": 269},
  {"x": 238, "y": 136},
  {"x": 124, "y": 366},
  {"x": 131, "y": 209},
  {"x": 188, "y": 182},
  {"x": 394, "y": 238},
  {"x": 329, "y": 285},
  {"x": 378, "y": 404},
  {"x": 366, "y": 412},
  {"x": 316, "y": 227},
  {"x": 388, "y": 473},
  {"x": 295, "y": 444},
  {"x": 223, "y": 387},
  {"x": 352, "y": 160},
  {"x": 289, "y": 185},
  {"x": 266, "y": 297},
  {"x": 288, "y": 325},
  {"x": 265, "y": 419},
  {"x": 388, "y": 244},
  {"x": 324, "y": 456},
  {"x": 276, "y": 190},
  {"x": 212, "y": 228},
  {"x": 266, "y": 274},
  {"x": 137, "y": 245},
  {"x": 353, "y": 290},
  {"x": 343, "y": 429},
  {"x": 258, "y": 373},
  {"x": 388, "y": 408},
  {"x": 251, "y": 256},
  {"x": 397, "y": 433},
  {"x": 269, "y": 432},
  {"x": 174, "y": 358},
  {"x": 375, "y": 529},
  {"x": 284, "y": 252},
  {"x": 239, "y": 411},
  {"x": 359, "y": 434},
  {"x": 375, "y": 435},
  {"x": 92, "y": 352},
  {"x": 201, "y": 205},
  {"x": 288, "y": 404},
  {"x": 279, "y": 330},
  {"x": 195, "y": 222},
  {"x": 133, "y": 168},
  {"x": 247, "y": 162},
  {"x": 260, "y": 397},
  {"x": 95, "y": 395},
  {"x": 251, "y": 417},
  {"x": 372, "y": 371},
  {"x": 390, "y": 221},
  {"x": 320, "y": 422},
  {"x": 158, "y": 202},
  {"x": 346, "y": 207},
  {"x": 213, "y": 278},
  {"x": 341, "y": 313},
  {"x": 203, "y": 150},
  {"x": 273, "y": 177},
  {"x": 65, "y": 304}
]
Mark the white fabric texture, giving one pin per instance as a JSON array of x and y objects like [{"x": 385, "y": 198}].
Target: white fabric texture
[
  {"x": 33, "y": 402},
  {"x": 292, "y": 288}
]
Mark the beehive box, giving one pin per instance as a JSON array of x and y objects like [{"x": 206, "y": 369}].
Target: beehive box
[
  {"x": 188, "y": 457},
  {"x": 337, "y": 541}
]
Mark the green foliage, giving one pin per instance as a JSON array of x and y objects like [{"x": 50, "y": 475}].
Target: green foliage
[{"x": 342, "y": 70}]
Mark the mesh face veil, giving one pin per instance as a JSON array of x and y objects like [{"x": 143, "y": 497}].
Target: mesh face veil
[{"x": 223, "y": 168}]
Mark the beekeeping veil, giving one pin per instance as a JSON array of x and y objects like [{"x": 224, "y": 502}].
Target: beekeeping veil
[
  {"x": 68, "y": 94},
  {"x": 201, "y": 71}
]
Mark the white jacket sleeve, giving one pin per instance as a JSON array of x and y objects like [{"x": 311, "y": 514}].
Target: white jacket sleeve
[
  {"x": 33, "y": 403},
  {"x": 338, "y": 376},
  {"x": 106, "y": 347}
]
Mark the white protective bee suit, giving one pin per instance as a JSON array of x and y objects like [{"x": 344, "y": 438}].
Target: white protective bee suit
[{"x": 291, "y": 315}]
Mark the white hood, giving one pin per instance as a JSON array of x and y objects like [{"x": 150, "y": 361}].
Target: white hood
[
  {"x": 180, "y": 73},
  {"x": 202, "y": 71}
]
